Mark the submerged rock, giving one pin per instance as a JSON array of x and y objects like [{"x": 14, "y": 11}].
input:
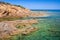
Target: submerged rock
[
  {"x": 9, "y": 28},
  {"x": 14, "y": 27}
]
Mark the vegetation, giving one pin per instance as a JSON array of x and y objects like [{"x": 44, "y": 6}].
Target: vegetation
[
  {"x": 49, "y": 29},
  {"x": 19, "y": 6},
  {"x": 11, "y": 4},
  {"x": 5, "y": 3},
  {"x": 8, "y": 19}
]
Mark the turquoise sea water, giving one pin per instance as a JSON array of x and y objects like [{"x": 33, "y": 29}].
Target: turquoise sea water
[{"x": 48, "y": 28}]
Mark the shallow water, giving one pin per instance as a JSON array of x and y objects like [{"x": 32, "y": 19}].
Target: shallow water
[{"x": 48, "y": 28}]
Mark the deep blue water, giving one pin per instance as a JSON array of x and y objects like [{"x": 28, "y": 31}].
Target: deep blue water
[
  {"x": 55, "y": 13},
  {"x": 45, "y": 10}
]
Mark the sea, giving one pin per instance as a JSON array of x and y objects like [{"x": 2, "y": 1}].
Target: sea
[{"x": 48, "y": 27}]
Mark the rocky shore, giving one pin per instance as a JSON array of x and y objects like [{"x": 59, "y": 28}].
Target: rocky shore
[
  {"x": 9, "y": 28},
  {"x": 13, "y": 27},
  {"x": 9, "y": 23}
]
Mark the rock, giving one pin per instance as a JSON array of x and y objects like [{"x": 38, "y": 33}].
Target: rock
[
  {"x": 7, "y": 10},
  {"x": 12, "y": 27},
  {"x": 8, "y": 28},
  {"x": 28, "y": 30}
]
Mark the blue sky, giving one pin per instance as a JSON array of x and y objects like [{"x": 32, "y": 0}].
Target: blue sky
[{"x": 36, "y": 4}]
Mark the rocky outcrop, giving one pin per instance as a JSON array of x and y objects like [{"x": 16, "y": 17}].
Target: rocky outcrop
[
  {"x": 9, "y": 28},
  {"x": 14, "y": 27},
  {"x": 8, "y": 10}
]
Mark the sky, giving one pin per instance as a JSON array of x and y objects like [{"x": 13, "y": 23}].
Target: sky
[{"x": 36, "y": 4}]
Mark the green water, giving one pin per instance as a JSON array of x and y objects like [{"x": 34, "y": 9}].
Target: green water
[{"x": 48, "y": 29}]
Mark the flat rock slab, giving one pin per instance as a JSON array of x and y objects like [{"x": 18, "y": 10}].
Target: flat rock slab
[{"x": 8, "y": 28}]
